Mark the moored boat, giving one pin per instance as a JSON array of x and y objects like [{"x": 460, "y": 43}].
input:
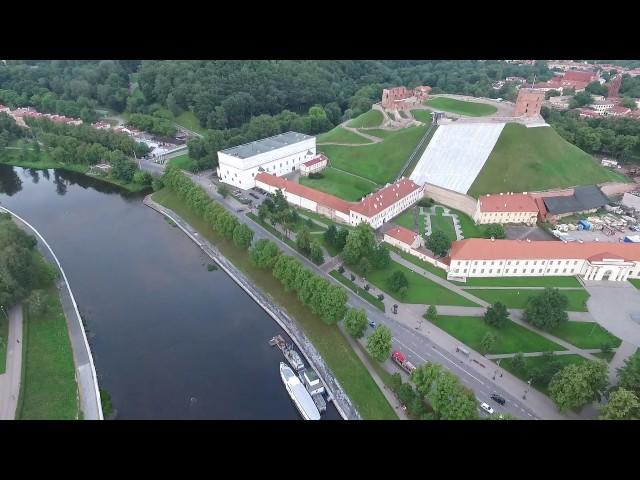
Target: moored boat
[{"x": 298, "y": 393}]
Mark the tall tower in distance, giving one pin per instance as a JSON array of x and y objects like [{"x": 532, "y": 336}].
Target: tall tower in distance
[
  {"x": 528, "y": 103},
  {"x": 614, "y": 86}
]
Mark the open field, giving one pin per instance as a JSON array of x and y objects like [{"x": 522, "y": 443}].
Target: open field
[
  {"x": 524, "y": 282},
  {"x": 529, "y": 159},
  {"x": 328, "y": 340},
  {"x": 379, "y": 132},
  {"x": 471, "y": 109},
  {"x": 378, "y": 162},
  {"x": 360, "y": 291},
  {"x": 49, "y": 390},
  {"x": 184, "y": 162},
  {"x": 372, "y": 118},
  {"x": 512, "y": 338},
  {"x": 420, "y": 290},
  {"x": 518, "y": 298},
  {"x": 421, "y": 115},
  {"x": 537, "y": 362},
  {"x": 340, "y": 184},
  {"x": 340, "y": 135},
  {"x": 585, "y": 335}
]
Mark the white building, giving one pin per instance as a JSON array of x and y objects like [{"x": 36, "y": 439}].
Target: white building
[
  {"x": 375, "y": 209},
  {"x": 403, "y": 238},
  {"x": 506, "y": 208},
  {"x": 314, "y": 165},
  {"x": 278, "y": 155},
  {"x": 602, "y": 106},
  {"x": 477, "y": 257}
]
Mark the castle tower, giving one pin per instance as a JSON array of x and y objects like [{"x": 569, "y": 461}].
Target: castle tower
[
  {"x": 614, "y": 86},
  {"x": 528, "y": 103}
]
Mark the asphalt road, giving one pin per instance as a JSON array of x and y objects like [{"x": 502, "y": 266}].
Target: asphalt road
[{"x": 418, "y": 348}]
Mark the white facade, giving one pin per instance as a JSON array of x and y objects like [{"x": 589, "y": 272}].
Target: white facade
[
  {"x": 505, "y": 217},
  {"x": 316, "y": 167},
  {"x": 240, "y": 172},
  {"x": 388, "y": 213},
  {"x": 601, "y": 107}
]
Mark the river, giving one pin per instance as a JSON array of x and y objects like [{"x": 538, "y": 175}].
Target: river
[{"x": 170, "y": 340}]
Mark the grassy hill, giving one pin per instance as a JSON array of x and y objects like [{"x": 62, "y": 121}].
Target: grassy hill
[
  {"x": 341, "y": 184},
  {"x": 460, "y": 107},
  {"x": 340, "y": 135},
  {"x": 372, "y": 118},
  {"x": 379, "y": 162},
  {"x": 421, "y": 115},
  {"x": 528, "y": 159}
]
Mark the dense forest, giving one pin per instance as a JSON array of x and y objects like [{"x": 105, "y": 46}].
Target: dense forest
[
  {"x": 22, "y": 269},
  {"x": 614, "y": 136}
]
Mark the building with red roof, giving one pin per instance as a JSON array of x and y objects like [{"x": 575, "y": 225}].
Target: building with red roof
[
  {"x": 477, "y": 257},
  {"x": 402, "y": 238},
  {"x": 506, "y": 208},
  {"x": 314, "y": 165}
]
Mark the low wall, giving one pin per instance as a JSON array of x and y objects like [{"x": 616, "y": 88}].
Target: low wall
[
  {"x": 452, "y": 199},
  {"x": 340, "y": 400}
]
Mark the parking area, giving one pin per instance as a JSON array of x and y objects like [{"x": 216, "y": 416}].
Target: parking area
[
  {"x": 522, "y": 232},
  {"x": 600, "y": 236}
]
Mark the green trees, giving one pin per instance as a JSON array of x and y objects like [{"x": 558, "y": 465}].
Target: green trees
[
  {"x": 580, "y": 100},
  {"x": 629, "y": 374},
  {"x": 360, "y": 243},
  {"x": 380, "y": 257},
  {"x": 546, "y": 310},
  {"x": 303, "y": 240},
  {"x": 141, "y": 178},
  {"x": 432, "y": 313},
  {"x": 152, "y": 124},
  {"x": 449, "y": 398},
  {"x": 578, "y": 384},
  {"x": 242, "y": 236},
  {"x": 596, "y": 89},
  {"x": 355, "y": 322},
  {"x": 223, "y": 190},
  {"x": 379, "y": 343},
  {"x": 397, "y": 281},
  {"x": 487, "y": 342},
  {"x": 438, "y": 243},
  {"x": 495, "y": 230},
  {"x": 496, "y": 315},
  {"x": 629, "y": 103},
  {"x": 315, "y": 253},
  {"x": 622, "y": 405}
]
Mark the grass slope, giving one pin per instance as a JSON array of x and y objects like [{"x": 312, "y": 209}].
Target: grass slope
[
  {"x": 422, "y": 115},
  {"x": 528, "y": 159},
  {"x": 379, "y": 162},
  {"x": 189, "y": 121},
  {"x": 340, "y": 135},
  {"x": 470, "y": 109},
  {"x": 341, "y": 184},
  {"x": 183, "y": 162},
  {"x": 328, "y": 340},
  {"x": 420, "y": 290},
  {"x": 49, "y": 390},
  {"x": 372, "y": 118},
  {"x": 516, "y": 298},
  {"x": 511, "y": 339}
]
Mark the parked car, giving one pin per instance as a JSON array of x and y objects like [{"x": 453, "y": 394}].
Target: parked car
[
  {"x": 484, "y": 406},
  {"x": 372, "y": 324},
  {"x": 254, "y": 195},
  {"x": 498, "y": 399}
]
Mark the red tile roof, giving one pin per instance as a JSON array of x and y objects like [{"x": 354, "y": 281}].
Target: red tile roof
[
  {"x": 585, "y": 77},
  {"x": 516, "y": 202},
  {"x": 619, "y": 109},
  {"x": 402, "y": 234},
  {"x": 483, "y": 249},
  {"x": 385, "y": 197},
  {"x": 305, "y": 192},
  {"x": 313, "y": 161}
]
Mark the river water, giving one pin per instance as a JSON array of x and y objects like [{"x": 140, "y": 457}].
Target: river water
[{"x": 170, "y": 340}]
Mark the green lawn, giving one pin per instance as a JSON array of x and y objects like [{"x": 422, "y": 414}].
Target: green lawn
[
  {"x": 635, "y": 282},
  {"x": 440, "y": 223},
  {"x": 321, "y": 218},
  {"x": 379, "y": 132},
  {"x": 188, "y": 120},
  {"x": 528, "y": 159},
  {"x": 524, "y": 282},
  {"x": 373, "y": 300},
  {"x": 340, "y": 184},
  {"x": 4, "y": 335},
  {"x": 585, "y": 335},
  {"x": 420, "y": 290},
  {"x": 516, "y": 298},
  {"x": 469, "y": 227},
  {"x": 331, "y": 250},
  {"x": 606, "y": 356},
  {"x": 328, "y": 340},
  {"x": 537, "y": 362},
  {"x": 372, "y": 118},
  {"x": 416, "y": 261},
  {"x": 406, "y": 220},
  {"x": 511, "y": 339},
  {"x": 471, "y": 109},
  {"x": 422, "y": 115},
  {"x": 379, "y": 162},
  {"x": 340, "y": 135},
  {"x": 184, "y": 162},
  {"x": 49, "y": 390}
]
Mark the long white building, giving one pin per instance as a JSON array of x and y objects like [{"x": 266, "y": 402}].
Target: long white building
[{"x": 277, "y": 155}]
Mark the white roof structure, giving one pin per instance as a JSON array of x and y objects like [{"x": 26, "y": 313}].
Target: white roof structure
[{"x": 456, "y": 154}]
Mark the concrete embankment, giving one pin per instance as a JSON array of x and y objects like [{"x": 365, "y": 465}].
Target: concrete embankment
[
  {"x": 85, "y": 369},
  {"x": 340, "y": 399}
]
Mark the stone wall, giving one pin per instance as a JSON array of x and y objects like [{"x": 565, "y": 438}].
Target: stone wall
[{"x": 449, "y": 198}]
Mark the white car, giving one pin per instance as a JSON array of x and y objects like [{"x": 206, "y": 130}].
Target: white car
[{"x": 486, "y": 408}]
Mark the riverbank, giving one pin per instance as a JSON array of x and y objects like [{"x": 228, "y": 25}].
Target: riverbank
[
  {"x": 46, "y": 164},
  {"x": 329, "y": 344}
]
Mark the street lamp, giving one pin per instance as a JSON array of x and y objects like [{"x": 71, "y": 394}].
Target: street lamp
[
  {"x": 524, "y": 397},
  {"x": 4, "y": 311}
]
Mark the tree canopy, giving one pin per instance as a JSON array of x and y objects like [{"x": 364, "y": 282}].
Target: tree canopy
[{"x": 546, "y": 310}]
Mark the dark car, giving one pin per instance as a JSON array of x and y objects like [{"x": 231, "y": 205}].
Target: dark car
[
  {"x": 498, "y": 399},
  {"x": 254, "y": 196}
]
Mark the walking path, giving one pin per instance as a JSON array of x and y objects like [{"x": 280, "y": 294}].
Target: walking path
[
  {"x": 495, "y": 356},
  {"x": 624, "y": 351},
  {"x": 10, "y": 379},
  {"x": 521, "y": 288}
]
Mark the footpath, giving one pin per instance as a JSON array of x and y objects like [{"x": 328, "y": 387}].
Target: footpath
[{"x": 10, "y": 379}]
